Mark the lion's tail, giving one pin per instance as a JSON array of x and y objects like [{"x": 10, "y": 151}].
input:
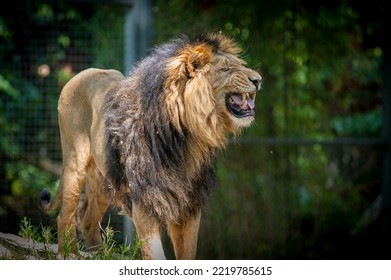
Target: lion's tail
[{"x": 44, "y": 200}]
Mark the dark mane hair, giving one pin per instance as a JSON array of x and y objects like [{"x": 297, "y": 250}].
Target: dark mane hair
[{"x": 146, "y": 151}]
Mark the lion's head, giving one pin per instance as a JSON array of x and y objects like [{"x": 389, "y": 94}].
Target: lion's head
[{"x": 210, "y": 90}]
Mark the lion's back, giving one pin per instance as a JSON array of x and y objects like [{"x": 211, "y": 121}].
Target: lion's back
[
  {"x": 89, "y": 85},
  {"x": 86, "y": 92}
]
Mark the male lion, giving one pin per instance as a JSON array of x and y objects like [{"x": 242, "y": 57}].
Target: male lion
[{"x": 147, "y": 143}]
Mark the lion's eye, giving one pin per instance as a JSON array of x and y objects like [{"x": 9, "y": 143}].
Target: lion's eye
[{"x": 225, "y": 69}]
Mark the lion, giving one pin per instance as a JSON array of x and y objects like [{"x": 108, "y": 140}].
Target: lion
[{"x": 147, "y": 143}]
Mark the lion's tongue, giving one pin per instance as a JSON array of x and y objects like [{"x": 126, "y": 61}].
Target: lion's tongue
[
  {"x": 250, "y": 103},
  {"x": 241, "y": 102}
]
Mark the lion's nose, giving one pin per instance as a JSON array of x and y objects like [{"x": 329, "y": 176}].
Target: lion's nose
[{"x": 256, "y": 80}]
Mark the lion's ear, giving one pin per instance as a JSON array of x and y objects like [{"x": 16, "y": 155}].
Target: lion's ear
[
  {"x": 188, "y": 61},
  {"x": 196, "y": 57}
]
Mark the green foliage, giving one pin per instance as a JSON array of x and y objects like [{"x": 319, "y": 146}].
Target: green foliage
[
  {"x": 45, "y": 235},
  {"x": 360, "y": 124},
  {"x": 28, "y": 231},
  {"x": 8, "y": 93},
  {"x": 106, "y": 27},
  {"x": 28, "y": 180},
  {"x": 111, "y": 249},
  {"x": 36, "y": 235}
]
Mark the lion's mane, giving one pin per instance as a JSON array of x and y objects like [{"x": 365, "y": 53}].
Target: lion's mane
[{"x": 163, "y": 129}]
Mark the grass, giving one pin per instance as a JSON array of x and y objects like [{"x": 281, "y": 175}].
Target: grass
[{"x": 46, "y": 236}]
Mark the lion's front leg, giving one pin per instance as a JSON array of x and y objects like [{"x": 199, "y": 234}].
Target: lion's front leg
[
  {"x": 149, "y": 232},
  {"x": 184, "y": 237}
]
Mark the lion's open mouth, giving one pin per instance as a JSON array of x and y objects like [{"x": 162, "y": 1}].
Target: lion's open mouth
[{"x": 241, "y": 104}]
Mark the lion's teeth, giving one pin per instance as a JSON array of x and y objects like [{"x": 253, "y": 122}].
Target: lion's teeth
[{"x": 244, "y": 106}]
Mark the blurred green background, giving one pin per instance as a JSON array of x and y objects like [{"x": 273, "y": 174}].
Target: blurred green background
[{"x": 308, "y": 181}]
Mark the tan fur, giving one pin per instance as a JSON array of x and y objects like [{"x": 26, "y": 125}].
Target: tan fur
[{"x": 195, "y": 97}]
